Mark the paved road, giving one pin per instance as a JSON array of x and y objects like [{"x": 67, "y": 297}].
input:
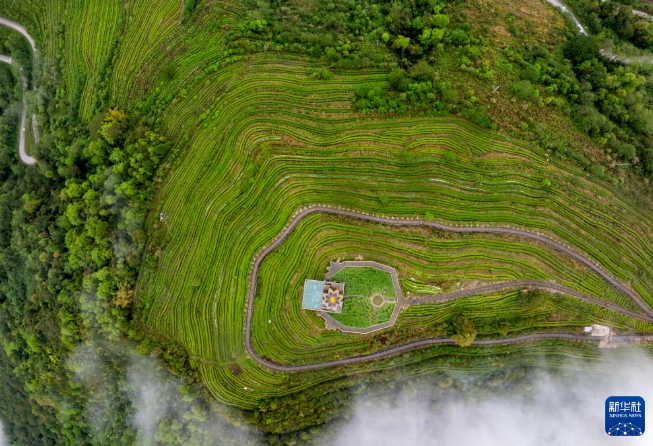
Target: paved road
[
  {"x": 402, "y": 302},
  {"x": 627, "y": 60},
  {"x": 562, "y": 7},
  {"x": 299, "y": 216},
  {"x": 529, "y": 284},
  {"x": 21, "y": 29},
  {"x": 24, "y": 157},
  {"x": 643, "y": 14}
]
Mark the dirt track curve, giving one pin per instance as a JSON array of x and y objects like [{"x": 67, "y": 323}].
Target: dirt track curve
[{"x": 299, "y": 216}]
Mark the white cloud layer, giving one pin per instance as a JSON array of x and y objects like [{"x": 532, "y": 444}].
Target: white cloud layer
[
  {"x": 159, "y": 405},
  {"x": 150, "y": 398},
  {"x": 559, "y": 411}
]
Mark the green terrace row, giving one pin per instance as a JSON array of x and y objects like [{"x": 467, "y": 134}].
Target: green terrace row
[
  {"x": 232, "y": 121},
  {"x": 78, "y": 36},
  {"x": 91, "y": 28},
  {"x": 482, "y": 256},
  {"x": 520, "y": 221}
]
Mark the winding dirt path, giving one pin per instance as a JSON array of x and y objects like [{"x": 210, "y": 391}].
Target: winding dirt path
[
  {"x": 299, "y": 216},
  {"x": 529, "y": 284},
  {"x": 24, "y": 157}
]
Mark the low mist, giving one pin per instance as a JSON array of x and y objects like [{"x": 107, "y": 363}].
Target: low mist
[
  {"x": 161, "y": 408},
  {"x": 149, "y": 397},
  {"x": 507, "y": 406},
  {"x": 561, "y": 408}
]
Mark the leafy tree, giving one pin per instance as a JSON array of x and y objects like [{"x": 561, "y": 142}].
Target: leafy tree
[
  {"x": 440, "y": 20},
  {"x": 533, "y": 72},
  {"x": 114, "y": 125},
  {"x": 478, "y": 117},
  {"x": 523, "y": 89},
  {"x": 462, "y": 330},
  {"x": 581, "y": 49},
  {"x": 189, "y": 7},
  {"x": 458, "y": 37},
  {"x": 398, "y": 79},
  {"x": 647, "y": 160},
  {"x": 598, "y": 171},
  {"x": 401, "y": 42}
]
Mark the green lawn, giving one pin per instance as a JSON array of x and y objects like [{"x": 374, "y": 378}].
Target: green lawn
[
  {"x": 365, "y": 282},
  {"x": 360, "y": 285},
  {"x": 360, "y": 313}
]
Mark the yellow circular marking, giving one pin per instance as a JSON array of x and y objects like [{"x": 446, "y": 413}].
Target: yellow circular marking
[{"x": 333, "y": 300}]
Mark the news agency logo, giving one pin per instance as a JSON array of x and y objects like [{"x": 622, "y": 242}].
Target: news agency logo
[{"x": 624, "y": 416}]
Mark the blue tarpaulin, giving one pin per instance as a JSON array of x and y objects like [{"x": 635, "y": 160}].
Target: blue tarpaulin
[{"x": 312, "y": 295}]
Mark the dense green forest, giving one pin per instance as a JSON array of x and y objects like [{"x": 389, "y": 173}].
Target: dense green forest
[
  {"x": 76, "y": 358},
  {"x": 71, "y": 240},
  {"x": 72, "y": 236}
]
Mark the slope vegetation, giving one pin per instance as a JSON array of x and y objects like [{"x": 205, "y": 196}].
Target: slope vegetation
[
  {"x": 269, "y": 140},
  {"x": 258, "y": 138}
]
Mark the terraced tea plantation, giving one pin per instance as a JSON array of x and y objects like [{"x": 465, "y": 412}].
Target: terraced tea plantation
[
  {"x": 270, "y": 153},
  {"x": 273, "y": 140},
  {"x": 259, "y": 138}
]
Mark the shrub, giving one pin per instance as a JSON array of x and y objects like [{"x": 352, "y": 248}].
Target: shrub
[
  {"x": 189, "y": 7},
  {"x": 598, "y": 171},
  {"x": 462, "y": 330},
  {"x": 523, "y": 89},
  {"x": 479, "y": 117}
]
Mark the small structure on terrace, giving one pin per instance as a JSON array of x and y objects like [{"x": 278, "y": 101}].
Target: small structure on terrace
[{"x": 323, "y": 296}]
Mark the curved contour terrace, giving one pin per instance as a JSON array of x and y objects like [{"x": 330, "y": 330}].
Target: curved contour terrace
[{"x": 450, "y": 296}]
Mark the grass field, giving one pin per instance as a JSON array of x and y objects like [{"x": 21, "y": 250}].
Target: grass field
[
  {"x": 358, "y": 312},
  {"x": 361, "y": 285},
  {"x": 258, "y": 138},
  {"x": 365, "y": 282}
]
